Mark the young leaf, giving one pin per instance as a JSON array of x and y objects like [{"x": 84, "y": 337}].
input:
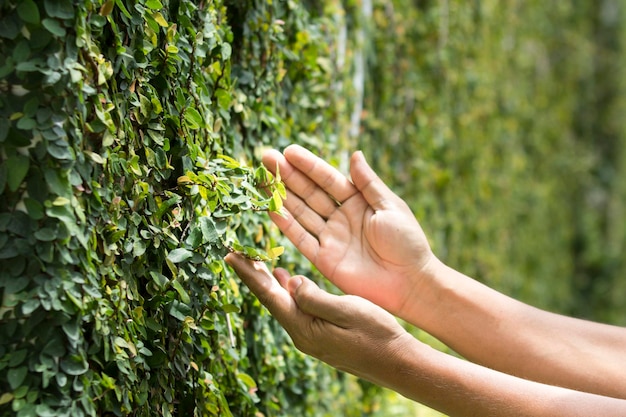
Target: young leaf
[{"x": 179, "y": 255}]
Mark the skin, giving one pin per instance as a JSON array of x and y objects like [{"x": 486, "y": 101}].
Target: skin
[{"x": 364, "y": 239}]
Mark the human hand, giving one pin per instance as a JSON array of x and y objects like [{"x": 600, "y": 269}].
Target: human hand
[
  {"x": 358, "y": 233},
  {"x": 347, "y": 332}
]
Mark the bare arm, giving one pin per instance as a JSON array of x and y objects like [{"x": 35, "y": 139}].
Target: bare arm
[
  {"x": 371, "y": 245},
  {"x": 354, "y": 335},
  {"x": 497, "y": 331}
]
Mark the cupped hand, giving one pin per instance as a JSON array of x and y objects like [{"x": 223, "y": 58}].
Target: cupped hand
[
  {"x": 358, "y": 233},
  {"x": 347, "y": 332}
]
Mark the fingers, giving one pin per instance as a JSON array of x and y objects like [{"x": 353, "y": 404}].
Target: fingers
[
  {"x": 316, "y": 302},
  {"x": 288, "y": 298},
  {"x": 267, "y": 289},
  {"x": 374, "y": 190},
  {"x": 311, "y": 178},
  {"x": 304, "y": 241}
]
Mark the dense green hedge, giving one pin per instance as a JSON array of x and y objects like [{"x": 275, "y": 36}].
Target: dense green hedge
[{"x": 129, "y": 143}]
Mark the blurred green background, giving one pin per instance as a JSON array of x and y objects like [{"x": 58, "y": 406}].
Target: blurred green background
[{"x": 502, "y": 125}]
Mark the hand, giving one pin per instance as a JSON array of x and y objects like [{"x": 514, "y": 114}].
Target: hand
[
  {"x": 347, "y": 332},
  {"x": 359, "y": 234}
]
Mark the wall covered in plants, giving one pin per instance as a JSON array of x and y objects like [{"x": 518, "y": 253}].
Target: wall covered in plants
[{"x": 129, "y": 142}]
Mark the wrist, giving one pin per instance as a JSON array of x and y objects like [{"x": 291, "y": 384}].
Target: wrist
[{"x": 426, "y": 288}]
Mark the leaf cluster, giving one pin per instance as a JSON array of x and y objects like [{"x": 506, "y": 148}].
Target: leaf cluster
[{"x": 129, "y": 139}]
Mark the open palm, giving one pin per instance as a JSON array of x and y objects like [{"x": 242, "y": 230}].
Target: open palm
[{"x": 358, "y": 233}]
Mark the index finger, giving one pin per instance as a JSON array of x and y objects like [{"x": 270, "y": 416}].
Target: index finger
[{"x": 313, "y": 169}]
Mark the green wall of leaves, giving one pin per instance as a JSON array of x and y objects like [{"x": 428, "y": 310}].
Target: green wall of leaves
[{"x": 129, "y": 147}]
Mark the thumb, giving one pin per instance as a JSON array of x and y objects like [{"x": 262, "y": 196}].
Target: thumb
[
  {"x": 314, "y": 301},
  {"x": 376, "y": 193}
]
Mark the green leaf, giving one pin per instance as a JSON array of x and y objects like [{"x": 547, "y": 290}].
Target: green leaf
[
  {"x": 17, "y": 168},
  {"x": 275, "y": 252},
  {"x": 184, "y": 297},
  {"x": 107, "y": 8},
  {"x": 159, "y": 279},
  {"x": 62, "y": 9},
  {"x": 230, "y": 308},
  {"x": 209, "y": 231},
  {"x": 276, "y": 203},
  {"x": 6, "y": 398},
  {"x": 246, "y": 379},
  {"x": 17, "y": 357},
  {"x": 193, "y": 118},
  {"x": 179, "y": 255},
  {"x": 226, "y": 51},
  {"x": 54, "y": 27},
  {"x": 46, "y": 234},
  {"x": 33, "y": 207},
  {"x": 28, "y": 11},
  {"x": 154, "y": 4},
  {"x": 43, "y": 410},
  {"x": 158, "y": 17},
  {"x": 16, "y": 376},
  {"x": 75, "y": 365},
  {"x": 123, "y": 8}
]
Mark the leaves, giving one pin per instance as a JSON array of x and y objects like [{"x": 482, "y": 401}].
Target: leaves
[{"x": 129, "y": 145}]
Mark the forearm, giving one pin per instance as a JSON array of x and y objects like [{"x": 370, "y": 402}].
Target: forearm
[
  {"x": 494, "y": 330},
  {"x": 460, "y": 388}
]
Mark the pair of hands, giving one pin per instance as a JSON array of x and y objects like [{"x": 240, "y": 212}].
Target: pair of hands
[{"x": 365, "y": 240}]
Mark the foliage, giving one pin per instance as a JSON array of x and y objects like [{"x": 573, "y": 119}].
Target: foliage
[{"x": 129, "y": 138}]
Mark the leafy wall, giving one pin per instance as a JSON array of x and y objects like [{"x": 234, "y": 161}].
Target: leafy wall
[{"x": 129, "y": 141}]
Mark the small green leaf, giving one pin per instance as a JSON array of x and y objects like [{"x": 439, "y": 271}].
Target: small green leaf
[
  {"x": 123, "y": 8},
  {"x": 6, "y": 398},
  {"x": 154, "y": 4},
  {"x": 226, "y": 51},
  {"x": 275, "y": 252},
  {"x": 75, "y": 365},
  {"x": 209, "y": 231},
  {"x": 230, "y": 308},
  {"x": 276, "y": 203},
  {"x": 193, "y": 118},
  {"x": 107, "y": 8},
  {"x": 158, "y": 17},
  {"x": 159, "y": 279},
  {"x": 247, "y": 380},
  {"x": 17, "y": 167},
  {"x": 62, "y": 9},
  {"x": 16, "y": 376},
  {"x": 34, "y": 208},
  {"x": 96, "y": 157},
  {"x": 46, "y": 234},
  {"x": 54, "y": 27},
  {"x": 179, "y": 255},
  {"x": 184, "y": 297},
  {"x": 28, "y": 11}
]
